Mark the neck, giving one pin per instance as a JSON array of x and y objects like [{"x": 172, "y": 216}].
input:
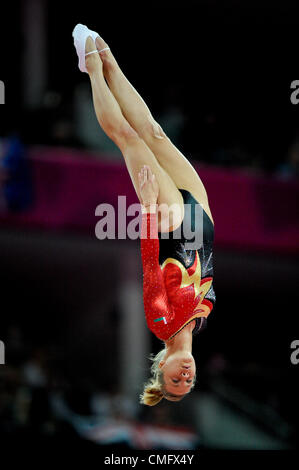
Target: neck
[{"x": 182, "y": 341}]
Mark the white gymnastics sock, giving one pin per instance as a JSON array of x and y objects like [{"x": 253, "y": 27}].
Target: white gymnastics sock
[{"x": 80, "y": 34}]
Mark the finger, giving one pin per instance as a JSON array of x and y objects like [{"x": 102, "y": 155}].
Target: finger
[{"x": 140, "y": 181}]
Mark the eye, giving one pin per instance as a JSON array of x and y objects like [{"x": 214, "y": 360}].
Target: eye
[
  {"x": 189, "y": 381},
  {"x": 175, "y": 381}
]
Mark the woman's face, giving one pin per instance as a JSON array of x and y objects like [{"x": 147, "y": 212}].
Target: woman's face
[{"x": 178, "y": 373}]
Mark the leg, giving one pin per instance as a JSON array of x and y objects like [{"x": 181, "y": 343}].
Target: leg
[
  {"x": 135, "y": 151},
  {"x": 140, "y": 118}
]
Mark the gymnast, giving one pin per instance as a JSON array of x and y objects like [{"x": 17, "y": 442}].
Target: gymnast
[{"x": 178, "y": 292}]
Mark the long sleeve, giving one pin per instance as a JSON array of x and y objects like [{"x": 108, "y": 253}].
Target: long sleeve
[{"x": 158, "y": 311}]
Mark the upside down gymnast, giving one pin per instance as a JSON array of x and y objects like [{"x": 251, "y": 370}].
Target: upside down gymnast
[{"x": 177, "y": 282}]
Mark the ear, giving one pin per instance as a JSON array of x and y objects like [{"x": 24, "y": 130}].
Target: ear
[{"x": 161, "y": 364}]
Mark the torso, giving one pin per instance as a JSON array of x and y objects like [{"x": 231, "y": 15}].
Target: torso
[{"x": 173, "y": 246}]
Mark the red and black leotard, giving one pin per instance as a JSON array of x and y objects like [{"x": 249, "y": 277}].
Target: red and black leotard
[{"x": 177, "y": 282}]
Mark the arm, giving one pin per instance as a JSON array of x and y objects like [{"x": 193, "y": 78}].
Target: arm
[{"x": 158, "y": 311}]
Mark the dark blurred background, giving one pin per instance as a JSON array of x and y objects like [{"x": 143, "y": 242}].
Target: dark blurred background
[{"x": 217, "y": 76}]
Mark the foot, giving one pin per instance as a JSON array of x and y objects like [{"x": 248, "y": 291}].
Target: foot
[
  {"x": 109, "y": 62},
  {"x": 80, "y": 35},
  {"x": 102, "y": 47},
  {"x": 92, "y": 58}
]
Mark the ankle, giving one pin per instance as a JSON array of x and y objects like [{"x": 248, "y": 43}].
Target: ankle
[
  {"x": 93, "y": 64},
  {"x": 108, "y": 60},
  {"x": 110, "y": 66}
]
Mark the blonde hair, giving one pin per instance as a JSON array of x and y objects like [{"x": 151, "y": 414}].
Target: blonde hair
[{"x": 153, "y": 391}]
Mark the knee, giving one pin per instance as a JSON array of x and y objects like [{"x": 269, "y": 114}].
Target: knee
[
  {"x": 125, "y": 134},
  {"x": 152, "y": 130}
]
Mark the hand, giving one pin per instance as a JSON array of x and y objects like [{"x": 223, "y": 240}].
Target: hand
[{"x": 149, "y": 188}]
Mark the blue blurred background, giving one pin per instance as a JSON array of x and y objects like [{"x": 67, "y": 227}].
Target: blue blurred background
[{"x": 217, "y": 77}]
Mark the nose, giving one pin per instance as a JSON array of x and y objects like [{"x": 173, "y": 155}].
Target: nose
[{"x": 185, "y": 374}]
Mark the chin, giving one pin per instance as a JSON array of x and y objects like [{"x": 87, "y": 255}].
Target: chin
[{"x": 188, "y": 358}]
